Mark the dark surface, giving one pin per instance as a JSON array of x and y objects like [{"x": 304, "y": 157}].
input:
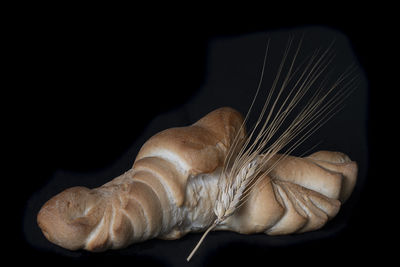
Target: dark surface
[{"x": 93, "y": 93}]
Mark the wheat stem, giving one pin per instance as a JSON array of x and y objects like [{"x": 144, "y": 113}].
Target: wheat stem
[
  {"x": 242, "y": 168},
  {"x": 201, "y": 240}
]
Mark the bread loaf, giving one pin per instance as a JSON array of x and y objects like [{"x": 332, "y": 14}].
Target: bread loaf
[{"x": 172, "y": 187}]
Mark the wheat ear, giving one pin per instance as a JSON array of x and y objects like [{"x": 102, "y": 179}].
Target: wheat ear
[
  {"x": 236, "y": 144},
  {"x": 243, "y": 166}
]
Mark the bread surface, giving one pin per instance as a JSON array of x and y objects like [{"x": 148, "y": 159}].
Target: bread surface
[{"x": 173, "y": 184}]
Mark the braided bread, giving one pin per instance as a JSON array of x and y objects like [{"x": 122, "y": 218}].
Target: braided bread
[{"x": 172, "y": 187}]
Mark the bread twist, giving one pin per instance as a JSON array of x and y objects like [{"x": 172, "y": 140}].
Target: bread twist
[{"x": 172, "y": 187}]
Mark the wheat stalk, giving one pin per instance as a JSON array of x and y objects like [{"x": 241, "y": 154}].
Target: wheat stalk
[{"x": 244, "y": 166}]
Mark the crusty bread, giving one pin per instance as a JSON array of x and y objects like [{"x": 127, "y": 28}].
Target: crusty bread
[
  {"x": 199, "y": 148},
  {"x": 68, "y": 218},
  {"x": 338, "y": 162},
  {"x": 172, "y": 187},
  {"x": 142, "y": 203},
  {"x": 298, "y": 195}
]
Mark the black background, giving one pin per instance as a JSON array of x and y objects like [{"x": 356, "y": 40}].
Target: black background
[{"x": 88, "y": 86}]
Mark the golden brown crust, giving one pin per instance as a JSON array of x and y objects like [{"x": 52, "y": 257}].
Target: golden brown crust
[
  {"x": 224, "y": 123},
  {"x": 133, "y": 206},
  {"x": 66, "y": 220},
  {"x": 199, "y": 148},
  {"x": 173, "y": 181},
  {"x": 150, "y": 200},
  {"x": 298, "y": 195},
  {"x": 330, "y": 156},
  {"x": 260, "y": 212},
  {"x": 303, "y": 172},
  {"x": 340, "y": 163}
]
